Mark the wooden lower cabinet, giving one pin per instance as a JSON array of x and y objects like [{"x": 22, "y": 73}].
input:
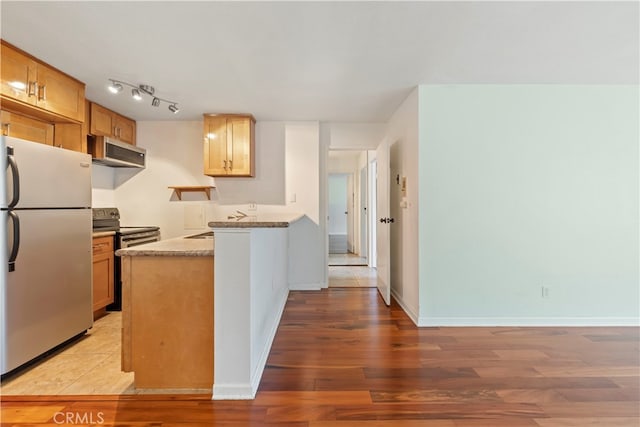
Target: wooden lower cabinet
[
  {"x": 26, "y": 128},
  {"x": 102, "y": 272},
  {"x": 167, "y": 321}
]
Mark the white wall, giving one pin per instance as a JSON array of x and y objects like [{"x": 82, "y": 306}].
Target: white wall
[
  {"x": 355, "y": 135},
  {"x": 268, "y": 186},
  {"x": 307, "y": 237},
  {"x": 174, "y": 157},
  {"x": 302, "y": 159},
  {"x": 523, "y": 187},
  {"x": 102, "y": 183}
]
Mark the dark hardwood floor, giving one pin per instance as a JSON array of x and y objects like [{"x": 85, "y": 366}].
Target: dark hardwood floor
[{"x": 343, "y": 359}]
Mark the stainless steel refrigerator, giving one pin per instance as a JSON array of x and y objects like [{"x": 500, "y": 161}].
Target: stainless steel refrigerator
[{"x": 46, "y": 276}]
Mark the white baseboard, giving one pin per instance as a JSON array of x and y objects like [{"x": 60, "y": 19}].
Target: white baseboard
[
  {"x": 410, "y": 312},
  {"x": 306, "y": 286},
  {"x": 512, "y": 321},
  {"x": 262, "y": 362},
  {"x": 528, "y": 321},
  {"x": 233, "y": 392}
]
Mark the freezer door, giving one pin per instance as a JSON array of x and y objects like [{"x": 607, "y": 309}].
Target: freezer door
[
  {"x": 47, "y": 299},
  {"x": 47, "y": 177}
]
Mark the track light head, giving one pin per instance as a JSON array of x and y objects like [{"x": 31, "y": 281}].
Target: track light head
[
  {"x": 115, "y": 87},
  {"x": 149, "y": 90},
  {"x": 174, "y": 108},
  {"x": 155, "y": 102},
  {"x": 135, "y": 94}
]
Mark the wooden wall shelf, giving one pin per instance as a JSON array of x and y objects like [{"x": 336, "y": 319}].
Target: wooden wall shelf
[{"x": 192, "y": 188}]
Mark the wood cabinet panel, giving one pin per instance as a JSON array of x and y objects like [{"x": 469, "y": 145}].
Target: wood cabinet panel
[
  {"x": 126, "y": 129},
  {"x": 229, "y": 145},
  {"x": 102, "y": 272},
  {"x": 168, "y": 321},
  {"x": 215, "y": 146},
  {"x": 70, "y": 136},
  {"x": 240, "y": 144},
  {"x": 27, "y": 128},
  {"x": 60, "y": 94},
  {"x": 18, "y": 75},
  {"x": 101, "y": 120},
  {"x": 104, "y": 122},
  {"x": 38, "y": 89}
]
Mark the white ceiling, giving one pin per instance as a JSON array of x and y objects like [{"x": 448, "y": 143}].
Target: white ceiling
[{"x": 327, "y": 61}]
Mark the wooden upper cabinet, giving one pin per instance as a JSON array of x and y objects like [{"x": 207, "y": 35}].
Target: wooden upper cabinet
[
  {"x": 37, "y": 89},
  {"x": 26, "y": 128},
  {"x": 104, "y": 122},
  {"x": 101, "y": 121},
  {"x": 229, "y": 145},
  {"x": 19, "y": 75},
  {"x": 126, "y": 129}
]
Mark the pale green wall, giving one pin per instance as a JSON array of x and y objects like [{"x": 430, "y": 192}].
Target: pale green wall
[{"x": 524, "y": 186}]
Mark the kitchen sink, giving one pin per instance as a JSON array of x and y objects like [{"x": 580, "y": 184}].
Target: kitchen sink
[{"x": 206, "y": 235}]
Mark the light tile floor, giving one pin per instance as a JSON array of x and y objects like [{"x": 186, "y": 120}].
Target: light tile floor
[
  {"x": 352, "y": 277},
  {"x": 90, "y": 365},
  {"x": 346, "y": 259}
]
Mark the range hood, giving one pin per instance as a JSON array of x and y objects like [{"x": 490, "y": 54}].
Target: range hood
[{"x": 111, "y": 152}]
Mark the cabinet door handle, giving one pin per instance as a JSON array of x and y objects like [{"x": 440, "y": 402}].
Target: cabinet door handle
[
  {"x": 32, "y": 88},
  {"x": 225, "y": 164},
  {"x": 230, "y": 165},
  {"x": 42, "y": 93}
]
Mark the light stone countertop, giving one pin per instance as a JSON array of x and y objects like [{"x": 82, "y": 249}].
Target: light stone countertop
[
  {"x": 103, "y": 233},
  {"x": 179, "y": 246},
  {"x": 267, "y": 220}
]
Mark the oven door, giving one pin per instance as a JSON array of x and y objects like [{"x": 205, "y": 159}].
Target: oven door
[{"x": 136, "y": 239}]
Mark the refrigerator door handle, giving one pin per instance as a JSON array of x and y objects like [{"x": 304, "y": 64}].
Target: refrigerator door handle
[
  {"x": 11, "y": 162},
  {"x": 16, "y": 240}
]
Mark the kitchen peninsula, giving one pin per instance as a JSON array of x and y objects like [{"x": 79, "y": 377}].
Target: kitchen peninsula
[
  {"x": 251, "y": 289},
  {"x": 196, "y": 322},
  {"x": 167, "y": 314}
]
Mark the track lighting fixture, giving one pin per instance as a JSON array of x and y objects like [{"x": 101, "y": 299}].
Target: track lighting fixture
[{"x": 116, "y": 86}]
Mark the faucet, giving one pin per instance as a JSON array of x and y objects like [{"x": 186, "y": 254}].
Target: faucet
[{"x": 238, "y": 215}]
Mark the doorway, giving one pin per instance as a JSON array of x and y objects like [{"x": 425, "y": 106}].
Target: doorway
[
  {"x": 347, "y": 224},
  {"x": 349, "y": 220}
]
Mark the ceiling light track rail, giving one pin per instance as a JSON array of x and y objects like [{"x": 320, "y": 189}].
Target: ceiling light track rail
[{"x": 116, "y": 86}]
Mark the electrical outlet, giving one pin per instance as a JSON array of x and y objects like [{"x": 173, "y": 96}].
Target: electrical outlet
[{"x": 253, "y": 206}]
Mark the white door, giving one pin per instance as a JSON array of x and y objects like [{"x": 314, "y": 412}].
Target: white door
[
  {"x": 382, "y": 225},
  {"x": 363, "y": 213},
  {"x": 349, "y": 214}
]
